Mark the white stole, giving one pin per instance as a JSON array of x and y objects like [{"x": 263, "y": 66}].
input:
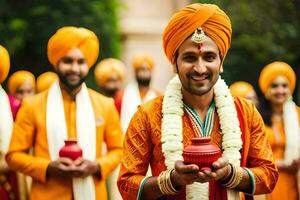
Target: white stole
[
  {"x": 292, "y": 132},
  {"x": 83, "y": 188},
  {"x": 6, "y": 121},
  {"x": 131, "y": 100}
]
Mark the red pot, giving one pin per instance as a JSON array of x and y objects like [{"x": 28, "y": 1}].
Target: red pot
[
  {"x": 201, "y": 152},
  {"x": 70, "y": 150}
]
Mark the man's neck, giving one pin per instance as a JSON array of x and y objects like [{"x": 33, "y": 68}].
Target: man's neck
[
  {"x": 71, "y": 92},
  {"x": 143, "y": 90},
  {"x": 199, "y": 103},
  {"x": 277, "y": 109}
]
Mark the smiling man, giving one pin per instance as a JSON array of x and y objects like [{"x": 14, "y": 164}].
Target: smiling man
[
  {"x": 67, "y": 110},
  {"x": 197, "y": 103}
]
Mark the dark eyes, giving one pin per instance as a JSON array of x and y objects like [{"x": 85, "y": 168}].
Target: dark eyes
[
  {"x": 275, "y": 85},
  {"x": 207, "y": 57},
  {"x": 190, "y": 58},
  {"x": 210, "y": 57},
  {"x": 70, "y": 61}
]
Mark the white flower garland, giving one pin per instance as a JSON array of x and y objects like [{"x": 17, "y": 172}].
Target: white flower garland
[{"x": 172, "y": 139}]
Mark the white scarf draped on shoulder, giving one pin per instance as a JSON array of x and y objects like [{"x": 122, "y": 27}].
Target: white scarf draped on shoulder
[
  {"x": 131, "y": 100},
  {"x": 6, "y": 121},
  {"x": 83, "y": 188}
]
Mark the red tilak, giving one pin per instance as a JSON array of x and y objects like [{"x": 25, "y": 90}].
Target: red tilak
[{"x": 199, "y": 47}]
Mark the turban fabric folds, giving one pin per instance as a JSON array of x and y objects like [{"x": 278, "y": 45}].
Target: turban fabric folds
[
  {"x": 140, "y": 60},
  {"x": 274, "y": 69},
  {"x": 70, "y": 37},
  {"x": 215, "y": 23},
  {"x": 45, "y": 80},
  {"x": 108, "y": 67},
  {"x": 4, "y": 63},
  {"x": 18, "y": 78},
  {"x": 241, "y": 88}
]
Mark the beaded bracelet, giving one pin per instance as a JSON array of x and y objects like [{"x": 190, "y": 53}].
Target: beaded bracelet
[{"x": 165, "y": 184}]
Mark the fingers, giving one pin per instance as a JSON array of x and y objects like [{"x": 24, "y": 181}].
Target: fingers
[
  {"x": 220, "y": 163},
  {"x": 185, "y": 169},
  {"x": 65, "y": 161},
  {"x": 78, "y": 161}
]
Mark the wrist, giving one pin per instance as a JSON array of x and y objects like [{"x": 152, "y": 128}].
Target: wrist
[
  {"x": 97, "y": 170},
  {"x": 228, "y": 174},
  {"x": 173, "y": 177}
]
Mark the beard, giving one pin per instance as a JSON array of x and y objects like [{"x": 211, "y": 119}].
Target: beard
[
  {"x": 143, "y": 81},
  {"x": 69, "y": 84},
  {"x": 110, "y": 92}
]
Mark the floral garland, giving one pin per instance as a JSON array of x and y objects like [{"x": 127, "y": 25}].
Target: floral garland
[{"x": 172, "y": 139}]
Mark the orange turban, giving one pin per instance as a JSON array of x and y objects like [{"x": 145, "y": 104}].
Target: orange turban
[
  {"x": 274, "y": 69},
  {"x": 241, "y": 88},
  {"x": 106, "y": 68},
  {"x": 70, "y": 37},
  {"x": 4, "y": 63},
  {"x": 45, "y": 80},
  {"x": 215, "y": 23},
  {"x": 142, "y": 59},
  {"x": 18, "y": 78}
]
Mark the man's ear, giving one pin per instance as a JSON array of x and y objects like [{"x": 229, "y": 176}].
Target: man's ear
[
  {"x": 221, "y": 68},
  {"x": 174, "y": 65}
]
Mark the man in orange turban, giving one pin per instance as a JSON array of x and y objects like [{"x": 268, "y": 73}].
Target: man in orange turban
[
  {"x": 197, "y": 104},
  {"x": 281, "y": 115},
  {"x": 45, "y": 80},
  {"x": 21, "y": 84},
  {"x": 109, "y": 76},
  {"x": 245, "y": 90},
  {"x": 68, "y": 110},
  {"x": 139, "y": 90}
]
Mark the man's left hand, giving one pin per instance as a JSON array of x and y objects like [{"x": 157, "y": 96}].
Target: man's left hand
[
  {"x": 221, "y": 170},
  {"x": 86, "y": 168}
]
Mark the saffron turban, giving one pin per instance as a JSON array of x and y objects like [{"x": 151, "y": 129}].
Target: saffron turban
[
  {"x": 70, "y": 37},
  {"x": 108, "y": 67},
  {"x": 142, "y": 59},
  {"x": 274, "y": 69},
  {"x": 18, "y": 78},
  {"x": 45, "y": 80},
  {"x": 215, "y": 23},
  {"x": 241, "y": 88},
  {"x": 4, "y": 63}
]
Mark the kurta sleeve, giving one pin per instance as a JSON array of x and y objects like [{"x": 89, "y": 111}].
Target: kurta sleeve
[
  {"x": 22, "y": 140},
  {"x": 113, "y": 138},
  {"x": 136, "y": 155},
  {"x": 260, "y": 158}
]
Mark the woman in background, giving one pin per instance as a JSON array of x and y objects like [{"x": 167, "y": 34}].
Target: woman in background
[{"x": 281, "y": 115}]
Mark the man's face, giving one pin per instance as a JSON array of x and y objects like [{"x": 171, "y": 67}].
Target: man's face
[
  {"x": 252, "y": 97},
  {"x": 72, "y": 69},
  {"x": 198, "y": 65},
  {"x": 112, "y": 85},
  {"x": 143, "y": 75},
  {"x": 25, "y": 90},
  {"x": 278, "y": 91}
]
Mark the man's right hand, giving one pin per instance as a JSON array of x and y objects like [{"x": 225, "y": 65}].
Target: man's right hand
[
  {"x": 184, "y": 174},
  {"x": 62, "y": 168}
]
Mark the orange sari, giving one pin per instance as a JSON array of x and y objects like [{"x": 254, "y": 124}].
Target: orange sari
[
  {"x": 286, "y": 187},
  {"x": 142, "y": 146}
]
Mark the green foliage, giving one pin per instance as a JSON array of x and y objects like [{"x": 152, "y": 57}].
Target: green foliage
[
  {"x": 26, "y": 26},
  {"x": 263, "y": 32}
]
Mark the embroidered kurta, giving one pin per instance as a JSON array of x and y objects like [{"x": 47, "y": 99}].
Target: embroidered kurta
[
  {"x": 30, "y": 132},
  {"x": 142, "y": 146},
  {"x": 286, "y": 187}
]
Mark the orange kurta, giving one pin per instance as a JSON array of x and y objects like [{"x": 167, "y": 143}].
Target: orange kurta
[
  {"x": 286, "y": 187},
  {"x": 30, "y": 132},
  {"x": 142, "y": 146}
]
